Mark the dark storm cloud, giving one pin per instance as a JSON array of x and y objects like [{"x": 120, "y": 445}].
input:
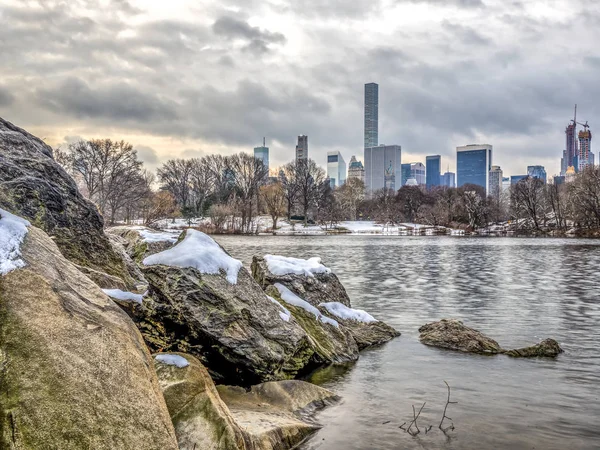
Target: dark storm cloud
[
  {"x": 119, "y": 101},
  {"x": 233, "y": 28}
]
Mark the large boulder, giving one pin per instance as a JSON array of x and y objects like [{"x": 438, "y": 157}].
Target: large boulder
[
  {"x": 276, "y": 415},
  {"x": 307, "y": 278},
  {"x": 454, "y": 335},
  {"x": 33, "y": 185},
  {"x": 140, "y": 242},
  {"x": 74, "y": 370},
  {"x": 203, "y": 302},
  {"x": 200, "y": 417}
]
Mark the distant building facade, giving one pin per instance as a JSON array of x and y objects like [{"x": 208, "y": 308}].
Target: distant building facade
[
  {"x": 514, "y": 179},
  {"x": 302, "y": 147},
  {"x": 473, "y": 165},
  {"x": 336, "y": 169},
  {"x": 495, "y": 180},
  {"x": 571, "y": 144},
  {"x": 405, "y": 168},
  {"x": 559, "y": 179},
  {"x": 433, "y": 171},
  {"x": 570, "y": 175},
  {"x": 505, "y": 183},
  {"x": 383, "y": 167},
  {"x": 356, "y": 169},
  {"x": 417, "y": 171},
  {"x": 537, "y": 172},
  {"x": 262, "y": 153},
  {"x": 585, "y": 155},
  {"x": 448, "y": 179},
  {"x": 371, "y": 115}
]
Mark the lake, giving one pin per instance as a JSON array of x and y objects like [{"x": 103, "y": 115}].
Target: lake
[{"x": 516, "y": 290}]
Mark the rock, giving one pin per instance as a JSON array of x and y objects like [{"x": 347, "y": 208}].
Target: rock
[
  {"x": 276, "y": 415},
  {"x": 547, "y": 348},
  {"x": 140, "y": 242},
  {"x": 75, "y": 372},
  {"x": 454, "y": 335},
  {"x": 103, "y": 279},
  {"x": 233, "y": 329},
  {"x": 33, "y": 185},
  {"x": 369, "y": 334},
  {"x": 331, "y": 344},
  {"x": 135, "y": 274},
  {"x": 316, "y": 289},
  {"x": 200, "y": 417}
]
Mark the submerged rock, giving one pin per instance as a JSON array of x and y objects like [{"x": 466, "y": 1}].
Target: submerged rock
[
  {"x": 454, "y": 335},
  {"x": 547, "y": 348},
  {"x": 75, "y": 372},
  {"x": 276, "y": 415},
  {"x": 33, "y": 185},
  {"x": 313, "y": 286}
]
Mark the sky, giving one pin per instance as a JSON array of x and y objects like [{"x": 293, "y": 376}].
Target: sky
[{"x": 181, "y": 78}]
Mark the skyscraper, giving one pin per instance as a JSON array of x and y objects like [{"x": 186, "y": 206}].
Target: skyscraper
[
  {"x": 571, "y": 147},
  {"x": 302, "y": 147},
  {"x": 405, "y": 169},
  {"x": 262, "y": 153},
  {"x": 586, "y": 157},
  {"x": 356, "y": 169},
  {"x": 417, "y": 171},
  {"x": 495, "y": 180},
  {"x": 382, "y": 167},
  {"x": 336, "y": 168},
  {"x": 433, "y": 169},
  {"x": 448, "y": 179},
  {"x": 473, "y": 165},
  {"x": 537, "y": 172},
  {"x": 371, "y": 115}
]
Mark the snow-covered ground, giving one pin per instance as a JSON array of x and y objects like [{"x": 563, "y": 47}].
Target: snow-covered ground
[
  {"x": 201, "y": 252},
  {"x": 12, "y": 232}
]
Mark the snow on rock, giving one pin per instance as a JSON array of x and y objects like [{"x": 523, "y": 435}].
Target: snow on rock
[
  {"x": 285, "y": 313},
  {"x": 343, "y": 312},
  {"x": 12, "y": 232},
  {"x": 118, "y": 294},
  {"x": 158, "y": 236},
  {"x": 172, "y": 360},
  {"x": 291, "y": 298},
  {"x": 201, "y": 252},
  {"x": 282, "y": 265}
]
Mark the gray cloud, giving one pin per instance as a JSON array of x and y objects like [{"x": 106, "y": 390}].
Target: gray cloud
[
  {"x": 6, "y": 97},
  {"x": 146, "y": 154},
  {"x": 233, "y": 28}
]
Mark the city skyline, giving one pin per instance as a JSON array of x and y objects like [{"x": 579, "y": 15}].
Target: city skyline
[{"x": 187, "y": 80}]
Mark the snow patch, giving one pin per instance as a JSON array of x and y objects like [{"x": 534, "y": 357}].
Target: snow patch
[
  {"x": 172, "y": 360},
  {"x": 343, "y": 312},
  {"x": 291, "y": 298},
  {"x": 124, "y": 296},
  {"x": 13, "y": 230},
  {"x": 200, "y": 252},
  {"x": 282, "y": 265},
  {"x": 285, "y": 313},
  {"x": 158, "y": 236}
]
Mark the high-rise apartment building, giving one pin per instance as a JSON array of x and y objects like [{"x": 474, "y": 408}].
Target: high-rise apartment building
[
  {"x": 448, "y": 179},
  {"x": 537, "y": 172},
  {"x": 336, "y": 169},
  {"x": 417, "y": 171},
  {"x": 371, "y": 115},
  {"x": 495, "y": 182},
  {"x": 571, "y": 143},
  {"x": 356, "y": 169},
  {"x": 585, "y": 155},
  {"x": 302, "y": 147},
  {"x": 383, "y": 167},
  {"x": 473, "y": 165},
  {"x": 262, "y": 153},
  {"x": 433, "y": 170}
]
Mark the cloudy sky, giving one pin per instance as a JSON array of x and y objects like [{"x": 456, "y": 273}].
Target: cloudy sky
[{"x": 183, "y": 78}]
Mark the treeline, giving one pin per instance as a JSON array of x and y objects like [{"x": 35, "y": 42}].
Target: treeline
[{"x": 233, "y": 190}]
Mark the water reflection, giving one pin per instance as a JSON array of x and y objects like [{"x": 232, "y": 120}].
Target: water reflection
[{"x": 516, "y": 290}]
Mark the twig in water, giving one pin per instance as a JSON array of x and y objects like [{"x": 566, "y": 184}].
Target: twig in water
[
  {"x": 386, "y": 422},
  {"x": 402, "y": 426},
  {"x": 448, "y": 402},
  {"x": 428, "y": 429},
  {"x": 414, "y": 422}
]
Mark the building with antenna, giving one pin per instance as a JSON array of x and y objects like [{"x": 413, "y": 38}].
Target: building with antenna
[{"x": 262, "y": 153}]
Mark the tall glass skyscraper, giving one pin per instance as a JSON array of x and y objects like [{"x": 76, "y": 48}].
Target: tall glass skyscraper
[
  {"x": 262, "y": 153},
  {"x": 371, "y": 115},
  {"x": 383, "y": 167},
  {"x": 336, "y": 169},
  {"x": 405, "y": 168},
  {"x": 433, "y": 170},
  {"x": 473, "y": 165},
  {"x": 448, "y": 179}
]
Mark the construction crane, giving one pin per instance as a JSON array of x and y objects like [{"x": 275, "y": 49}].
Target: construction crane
[{"x": 584, "y": 125}]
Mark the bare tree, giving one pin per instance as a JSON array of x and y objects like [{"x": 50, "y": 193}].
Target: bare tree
[
  {"x": 175, "y": 177},
  {"x": 350, "y": 195},
  {"x": 249, "y": 173},
  {"x": 309, "y": 177},
  {"x": 288, "y": 180},
  {"x": 273, "y": 196},
  {"x": 528, "y": 196},
  {"x": 160, "y": 205}
]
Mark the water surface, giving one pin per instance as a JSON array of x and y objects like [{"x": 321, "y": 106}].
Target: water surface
[{"x": 516, "y": 290}]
